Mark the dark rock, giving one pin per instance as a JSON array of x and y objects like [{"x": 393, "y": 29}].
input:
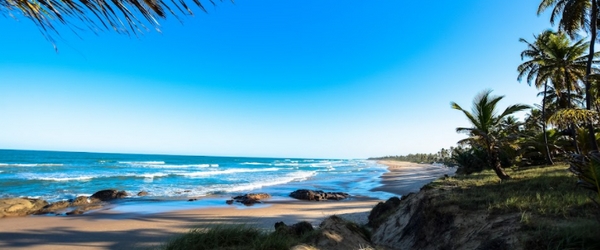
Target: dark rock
[
  {"x": 250, "y": 199},
  {"x": 258, "y": 196},
  {"x": 76, "y": 212},
  {"x": 229, "y": 202},
  {"x": 297, "y": 229},
  {"x": 382, "y": 210},
  {"x": 109, "y": 194},
  {"x": 142, "y": 193},
  {"x": 249, "y": 202},
  {"x": 80, "y": 201},
  {"x": 54, "y": 207},
  {"x": 317, "y": 195},
  {"x": 193, "y": 199},
  {"x": 10, "y": 207}
]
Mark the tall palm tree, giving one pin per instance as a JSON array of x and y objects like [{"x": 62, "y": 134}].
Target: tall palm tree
[
  {"x": 486, "y": 126},
  {"x": 566, "y": 64},
  {"x": 531, "y": 68},
  {"x": 577, "y": 15},
  {"x": 554, "y": 58},
  {"x": 122, "y": 16}
]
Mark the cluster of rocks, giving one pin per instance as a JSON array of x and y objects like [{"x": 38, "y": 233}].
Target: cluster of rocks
[
  {"x": 12, "y": 207},
  {"x": 318, "y": 195},
  {"x": 249, "y": 199}
]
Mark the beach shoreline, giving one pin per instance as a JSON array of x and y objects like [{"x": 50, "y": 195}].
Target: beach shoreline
[
  {"x": 408, "y": 177},
  {"x": 115, "y": 228}
]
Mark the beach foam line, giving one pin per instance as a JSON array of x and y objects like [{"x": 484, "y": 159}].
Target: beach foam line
[
  {"x": 256, "y": 163},
  {"x": 80, "y": 178},
  {"x": 30, "y": 165},
  {"x": 163, "y": 165},
  {"x": 143, "y": 162},
  {"x": 228, "y": 171},
  {"x": 290, "y": 177}
]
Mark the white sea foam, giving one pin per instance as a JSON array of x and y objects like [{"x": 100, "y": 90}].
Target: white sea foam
[
  {"x": 30, "y": 165},
  {"x": 143, "y": 162},
  {"x": 175, "y": 166},
  {"x": 152, "y": 176},
  {"x": 256, "y": 163},
  {"x": 228, "y": 171},
  {"x": 78, "y": 178},
  {"x": 290, "y": 177},
  {"x": 293, "y": 164}
]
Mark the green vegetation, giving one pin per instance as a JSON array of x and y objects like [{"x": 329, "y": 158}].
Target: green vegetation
[
  {"x": 488, "y": 131},
  {"x": 236, "y": 237},
  {"x": 554, "y": 215},
  {"x": 416, "y": 158}
]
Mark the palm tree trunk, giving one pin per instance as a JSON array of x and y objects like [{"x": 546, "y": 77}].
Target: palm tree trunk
[
  {"x": 572, "y": 130},
  {"x": 588, "y": 71},
  {"x": 548, "y": 156},
  {"x": 494, "y": 162}
]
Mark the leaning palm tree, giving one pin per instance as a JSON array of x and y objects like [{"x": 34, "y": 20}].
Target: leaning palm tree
[
  {"x": 127, "y": 16},
  {"x": 486, "y": 127},
  {"x": 577, "y": 15}
]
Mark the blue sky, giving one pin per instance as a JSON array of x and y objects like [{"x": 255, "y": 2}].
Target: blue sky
[{"x": 326, "y": 79}]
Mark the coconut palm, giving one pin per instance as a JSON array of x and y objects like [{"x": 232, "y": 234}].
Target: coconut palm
[
  {"x": 577, "y": 15},
  {"x": 486, "y": 129},
  {"x": 531, "y": 68},
  {"x": 555, "y": 59},
  {"x": 128, "y": 16}
]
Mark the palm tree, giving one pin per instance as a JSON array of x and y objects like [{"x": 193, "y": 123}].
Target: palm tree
[
  {"x": 531, "y": 68},
  {"x": 555, "y": 59},
  {"x": 538, "y": 69},
  {"x": 486, "y": 131},
  {"x": 577, "y": 15},
  {"x": 129, "y": 16}
]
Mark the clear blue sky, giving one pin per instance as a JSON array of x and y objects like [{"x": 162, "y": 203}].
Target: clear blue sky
[{"x": 327, "y": 79}]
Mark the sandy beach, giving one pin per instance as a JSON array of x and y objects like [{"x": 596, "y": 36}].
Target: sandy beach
[
  {"x": 407, "y": 177},
  {"x": 110, "y": 229}
]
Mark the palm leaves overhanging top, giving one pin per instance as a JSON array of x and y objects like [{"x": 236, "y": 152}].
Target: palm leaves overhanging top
[{"x": 122, "y": 16}]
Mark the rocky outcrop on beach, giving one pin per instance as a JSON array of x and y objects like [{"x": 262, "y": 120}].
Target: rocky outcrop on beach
[
  {"x": 317, "y": 195},
  {"x": 109, "y": 194},
  {"x": 54, "y": 207},
  {"x": 80, "y": 201},
  {"x": 11, "y": 207},
  {"x": 418, "y": 222},
  {"x": 75, "y": 206},
  {"x": 249, "y": 199}
]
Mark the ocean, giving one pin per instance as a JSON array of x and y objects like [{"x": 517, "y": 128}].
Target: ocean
[{"x": 55, "y": 176}]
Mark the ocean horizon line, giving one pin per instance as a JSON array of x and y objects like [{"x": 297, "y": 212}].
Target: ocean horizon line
[{"x": 176, "y": 154}]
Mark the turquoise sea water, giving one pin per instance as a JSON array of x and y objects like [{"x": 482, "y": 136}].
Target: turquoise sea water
[{"x": 65, "y": 175}]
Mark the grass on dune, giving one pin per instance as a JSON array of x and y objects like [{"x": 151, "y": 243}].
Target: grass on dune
[
  {"x": 234, "y": 237},
  {"x": 547, "y": 191},
  {"x": 555, "y": 214}
]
